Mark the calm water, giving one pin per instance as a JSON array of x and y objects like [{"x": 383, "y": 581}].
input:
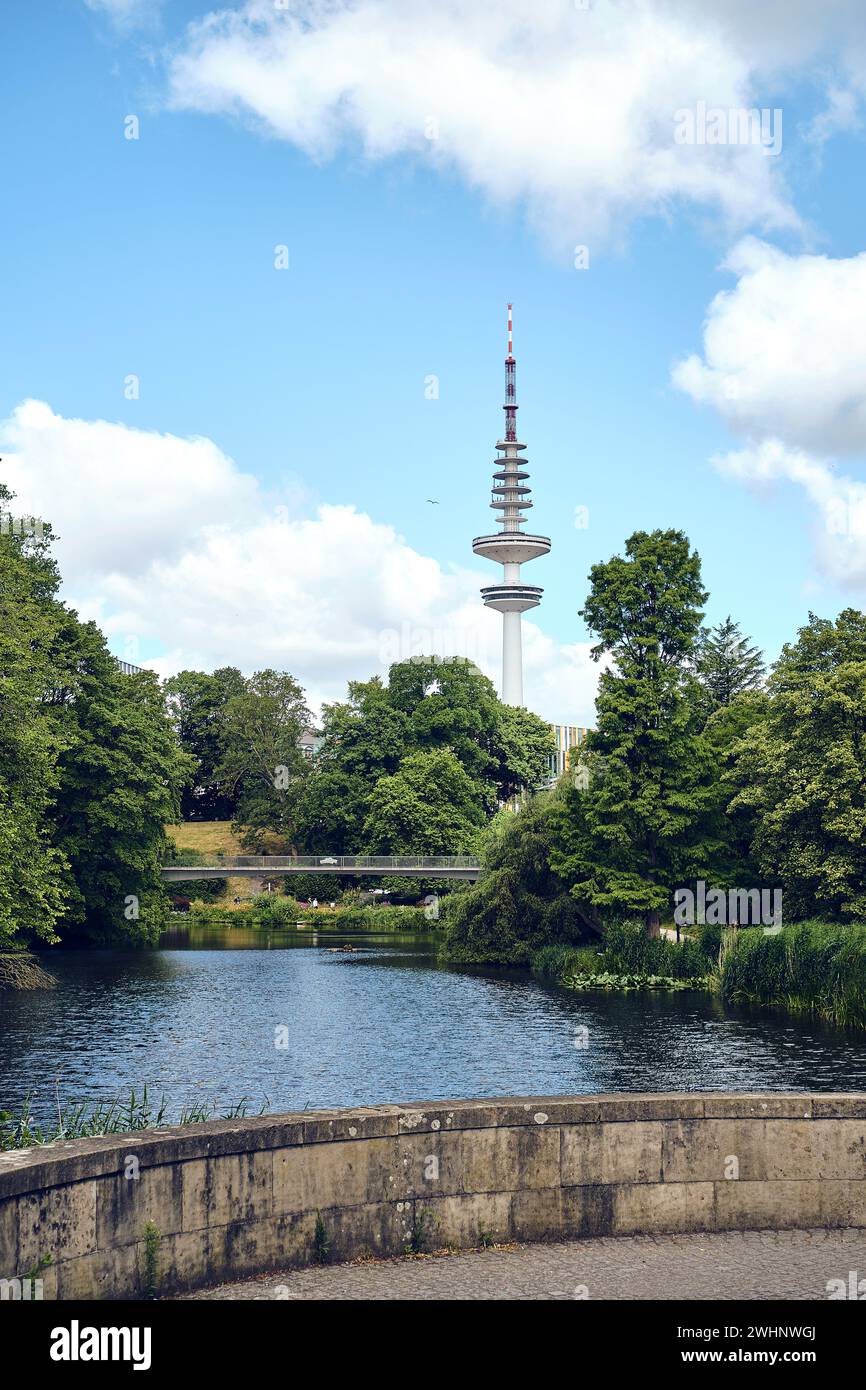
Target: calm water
[{"x": 197, "y": 1021}]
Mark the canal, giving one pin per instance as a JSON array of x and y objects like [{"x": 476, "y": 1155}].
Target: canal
[{"x": 284, "y": 1021}]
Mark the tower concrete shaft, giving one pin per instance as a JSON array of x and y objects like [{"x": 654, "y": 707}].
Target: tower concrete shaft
[{"x": 511, "y": 547}]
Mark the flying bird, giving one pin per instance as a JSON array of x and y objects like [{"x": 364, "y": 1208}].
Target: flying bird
[{"x": 433, "y": 500}]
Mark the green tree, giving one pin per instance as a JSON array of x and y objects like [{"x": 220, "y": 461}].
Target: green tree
[
  {"x": 731, "y": 831},
  {"x": 822, "y": 646},
  {"x": 450, "y": 704},
  {"x": 89, "y": 768},
  {"x": 428, "y": 704},
  {"x": 196, "y": 701},
  {"x": 363, "y": 739},
  {"x": 520, "y": 904},
  {"x": 726, "y": 664},
  {"x": 801, "y": 772},
  {"x": 523, "y": 744},
  {"x": 262, "y": 764},
  {"x": 121, "y": 774},
  {"x": 628, "y": 840},
  {"x": 429, "y": 806},
  {"x": 32, "y": 869}
]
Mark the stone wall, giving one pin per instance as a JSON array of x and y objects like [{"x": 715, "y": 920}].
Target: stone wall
[{"x": 238, "y": 1197}]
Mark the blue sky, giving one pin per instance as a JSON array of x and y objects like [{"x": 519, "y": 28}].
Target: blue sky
[{"x": 155, "y": 257}]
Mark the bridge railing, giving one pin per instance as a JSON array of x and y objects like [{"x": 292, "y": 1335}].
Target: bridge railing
[{"x": 312, "y": 862}]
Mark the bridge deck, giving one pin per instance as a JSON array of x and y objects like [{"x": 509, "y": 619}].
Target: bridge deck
[{"x": 455, "y": 866}]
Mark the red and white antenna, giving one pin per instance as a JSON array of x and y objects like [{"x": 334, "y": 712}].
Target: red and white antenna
[{"x": 510, "y": 406}]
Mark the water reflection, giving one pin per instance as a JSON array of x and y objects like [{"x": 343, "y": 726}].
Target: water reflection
[{"x": 198, "y": 1019}]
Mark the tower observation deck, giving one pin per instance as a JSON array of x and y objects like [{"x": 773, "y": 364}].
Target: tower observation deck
[{"x": 511, "y": 547}]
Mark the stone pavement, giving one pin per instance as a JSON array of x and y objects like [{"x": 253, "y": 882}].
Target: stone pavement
[{"x": 741, "y": 1264}]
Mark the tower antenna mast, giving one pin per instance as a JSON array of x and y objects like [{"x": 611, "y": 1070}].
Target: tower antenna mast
[
  {"x": 510, "y": 406},
  {"x": 511, "y": 547}
]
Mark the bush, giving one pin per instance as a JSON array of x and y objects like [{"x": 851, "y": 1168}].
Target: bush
[
  {"x": 275, "y": 910},
  {"x": 391, "y": 919},
  {"x": 328, "y": 888},
  {"x": 520, "y": 905}
]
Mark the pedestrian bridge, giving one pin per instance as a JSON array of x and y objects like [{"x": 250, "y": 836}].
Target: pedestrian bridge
[{"x": 460, "y": 866}]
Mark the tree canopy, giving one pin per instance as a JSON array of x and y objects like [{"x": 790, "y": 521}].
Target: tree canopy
[
  {"x": 726, "y": 664},
  {"x": 262, "y": 764},
  {"x": 89, "y": 769},
  {"x": 800, "y": 773},
  {"x": 196, "y": 703},
  {"x": 640, "y": 827},
  {"x": 521, "y": 903},
  {"x": 371, "y": 792}
]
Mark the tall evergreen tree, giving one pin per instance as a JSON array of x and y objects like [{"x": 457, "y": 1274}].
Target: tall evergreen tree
[
  {"x": 726, "y": 664},
  {"x": 628, "y": 840}
]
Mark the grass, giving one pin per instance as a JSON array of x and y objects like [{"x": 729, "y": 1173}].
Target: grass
[
  {"x": 87, "y": 1120},
  {"x": 211, "y": 837},
  {"x": 816, "y": 968},
  {"x": 629, "y": 961},
  {"x": 206, "y": 836}
]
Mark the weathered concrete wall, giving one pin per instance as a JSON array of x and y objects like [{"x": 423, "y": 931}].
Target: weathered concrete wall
[{"x": 238, "y": 1197}]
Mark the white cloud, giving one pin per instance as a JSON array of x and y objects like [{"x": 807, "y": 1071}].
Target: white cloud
[
  {"x": 839, "y": 501},
  {"x": 841, "y": 113},
  {"x": 165, "y": 542},
  {"x": 784, "y": 363},
  {"x": 122, "y": 499},
  {"x": 784, "y": 351},
  {"x": 570, "y": 110}
]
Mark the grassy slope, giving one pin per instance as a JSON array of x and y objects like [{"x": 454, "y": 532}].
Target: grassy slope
[
  {"x": 212, "y": 837},
  {"x": 207, "y": 836}
]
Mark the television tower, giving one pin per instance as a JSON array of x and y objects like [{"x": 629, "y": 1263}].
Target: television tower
[{"x": 511, "y": 548}]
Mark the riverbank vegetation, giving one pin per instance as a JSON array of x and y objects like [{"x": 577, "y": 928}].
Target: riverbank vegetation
[
  {"x": 816, "y": 969},
  {"x": 275, "y": 910},
  {"x": 20, "y": 970}
]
